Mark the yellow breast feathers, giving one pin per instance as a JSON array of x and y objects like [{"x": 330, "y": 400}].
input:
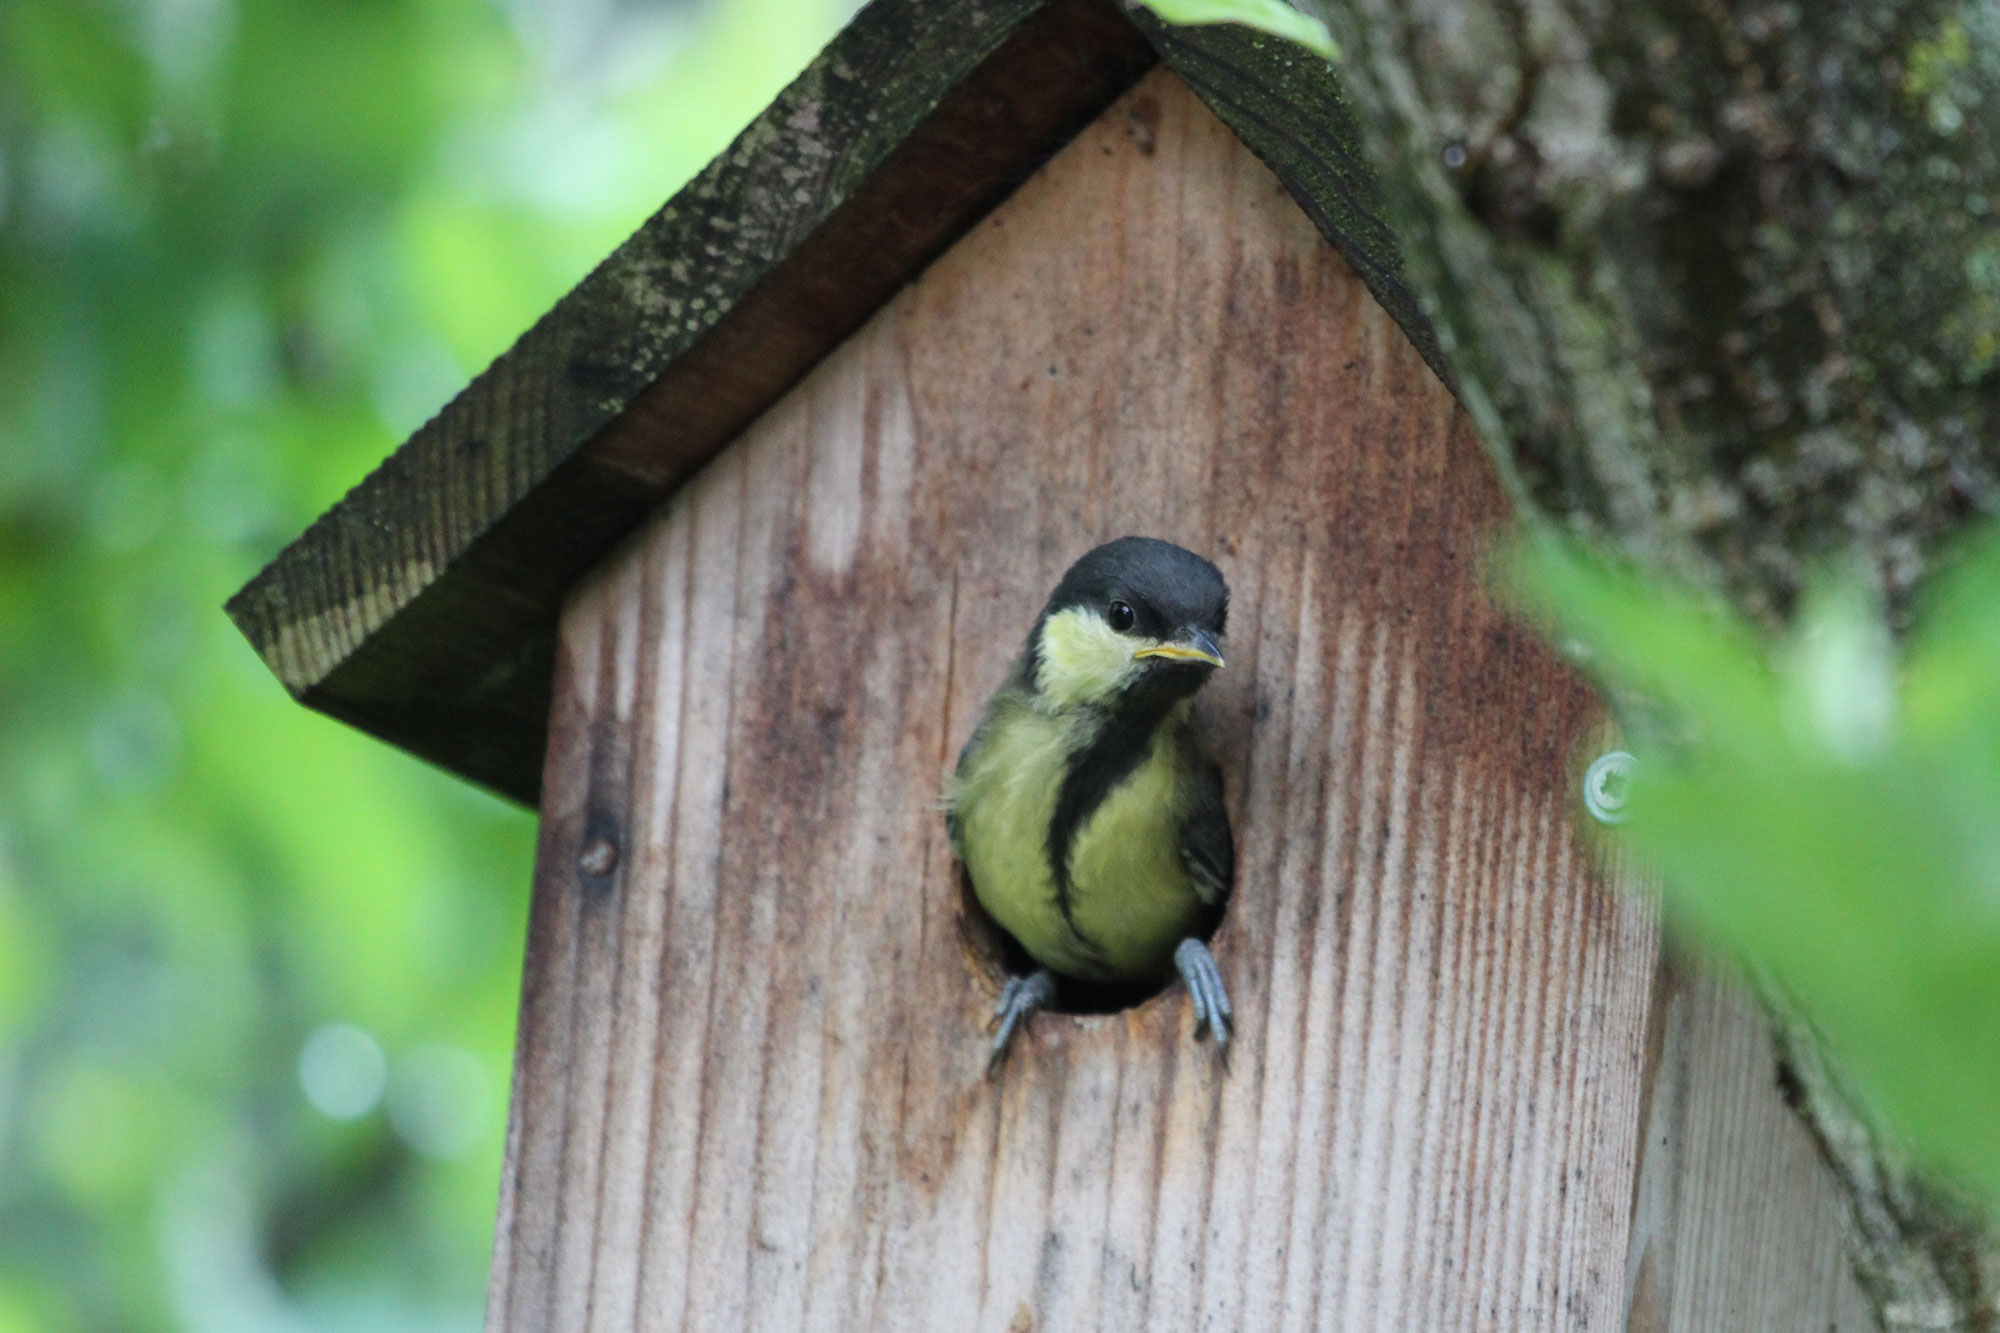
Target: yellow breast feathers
[{"x": 1130, "y": 898}]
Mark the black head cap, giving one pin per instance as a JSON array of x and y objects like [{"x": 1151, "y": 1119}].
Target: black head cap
[{"x": 1168, "y": 587}]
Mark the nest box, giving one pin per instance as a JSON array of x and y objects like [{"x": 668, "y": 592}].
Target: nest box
[{"x": 717, "y": 565}]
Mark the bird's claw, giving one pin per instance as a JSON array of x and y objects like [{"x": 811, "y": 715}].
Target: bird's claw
[
  {"x": 1019, "y": 999},
  {"x": 1205, "y": 989}
]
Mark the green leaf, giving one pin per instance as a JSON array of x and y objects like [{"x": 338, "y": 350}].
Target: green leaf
[
  {"x": 1272, "y": 16},
  {"x": 1821, "y": 809}
]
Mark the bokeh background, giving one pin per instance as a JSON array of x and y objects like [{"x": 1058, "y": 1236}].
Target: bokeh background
[{"x": 257, "y": 973}]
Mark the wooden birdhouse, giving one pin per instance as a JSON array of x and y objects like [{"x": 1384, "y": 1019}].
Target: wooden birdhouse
[{"x": 717, "y": 567}]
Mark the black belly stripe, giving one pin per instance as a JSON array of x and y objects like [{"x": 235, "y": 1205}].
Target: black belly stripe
[{"x": 1093, "y": 773}]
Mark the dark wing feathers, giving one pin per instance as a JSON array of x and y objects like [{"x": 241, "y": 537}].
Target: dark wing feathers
[{"x": 1207, "y": 849}]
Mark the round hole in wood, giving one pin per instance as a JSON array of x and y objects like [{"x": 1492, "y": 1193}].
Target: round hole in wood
[{"x": 998, "y": 956}]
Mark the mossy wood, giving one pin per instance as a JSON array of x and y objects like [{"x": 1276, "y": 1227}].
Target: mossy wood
[
  {"x": 421, "y": 607},
  {"x": 1467, "y": 1093}
]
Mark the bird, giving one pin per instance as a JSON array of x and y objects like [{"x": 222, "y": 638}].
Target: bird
[{"x": 1085, "y": 808}]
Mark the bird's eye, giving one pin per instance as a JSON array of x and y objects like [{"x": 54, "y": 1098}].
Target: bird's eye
[{"x": 1121, "y": 617}]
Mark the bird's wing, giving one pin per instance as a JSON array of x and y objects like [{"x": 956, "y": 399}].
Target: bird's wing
[
  {"x": 1207, "y": 849},
  {"x": 1004, "y": 697},
  {"x": 954, "y": 824}
]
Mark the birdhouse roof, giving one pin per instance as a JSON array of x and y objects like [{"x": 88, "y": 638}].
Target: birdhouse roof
[{"x": 422, "y": 607}]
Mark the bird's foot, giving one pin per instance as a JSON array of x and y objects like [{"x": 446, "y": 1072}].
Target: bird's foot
[
  {"x": 1019, "y": 999},
  {"x": 1204, "y": 983}
]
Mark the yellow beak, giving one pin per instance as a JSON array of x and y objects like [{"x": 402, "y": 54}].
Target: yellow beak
[{"x": 1192, "y": 646}]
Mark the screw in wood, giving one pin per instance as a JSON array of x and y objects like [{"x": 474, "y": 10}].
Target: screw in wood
[
  {"x": 598, "y": 858},
  {"x": 1607, "y": 786}
]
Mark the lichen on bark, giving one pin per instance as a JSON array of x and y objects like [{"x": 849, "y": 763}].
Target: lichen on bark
[
  {"x": 1720, "y": 281},
  {"x": 1720, "y": 284}
]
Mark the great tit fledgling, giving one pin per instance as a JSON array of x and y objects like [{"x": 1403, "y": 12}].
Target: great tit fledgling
[{"x": 1084, "y": 807}]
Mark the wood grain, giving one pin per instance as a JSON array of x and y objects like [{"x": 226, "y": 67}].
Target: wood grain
[
  {"x": 1289, "y": 109},
  {"x": 422, "y": 607},
  {"x": 1737, "y": 1224},
  {"x": 748, "y": 1091}
]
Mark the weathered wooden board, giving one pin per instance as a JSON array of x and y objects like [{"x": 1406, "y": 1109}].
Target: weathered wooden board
[
  {"x": 422, "y": 607},
  {"x": 748, "y": 1091},
  {"x": 1737, "y": 1225}
]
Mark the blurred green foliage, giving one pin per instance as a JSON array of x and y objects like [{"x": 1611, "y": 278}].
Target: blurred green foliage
[
  {"x": 1826, "y": 807},
  {"x": 245, "y": 247},
  {"x": 1272, "y": 16}
]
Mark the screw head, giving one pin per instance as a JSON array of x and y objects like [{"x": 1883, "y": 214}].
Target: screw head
[
  {"x": 598, "y": 858},
  {"x": 1607, "y": 786}
]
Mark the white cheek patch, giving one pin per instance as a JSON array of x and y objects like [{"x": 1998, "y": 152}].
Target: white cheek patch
[{"x": 1083, "y": 659}]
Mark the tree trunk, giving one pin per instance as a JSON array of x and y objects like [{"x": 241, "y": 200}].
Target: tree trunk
[{"x": 1720, "y": 282}]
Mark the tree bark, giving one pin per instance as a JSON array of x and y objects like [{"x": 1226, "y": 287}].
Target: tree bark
[{"x": 1720, "y": 284}]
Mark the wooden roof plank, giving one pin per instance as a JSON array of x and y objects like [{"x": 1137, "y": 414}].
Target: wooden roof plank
[{"x": 420, "y": 608}]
